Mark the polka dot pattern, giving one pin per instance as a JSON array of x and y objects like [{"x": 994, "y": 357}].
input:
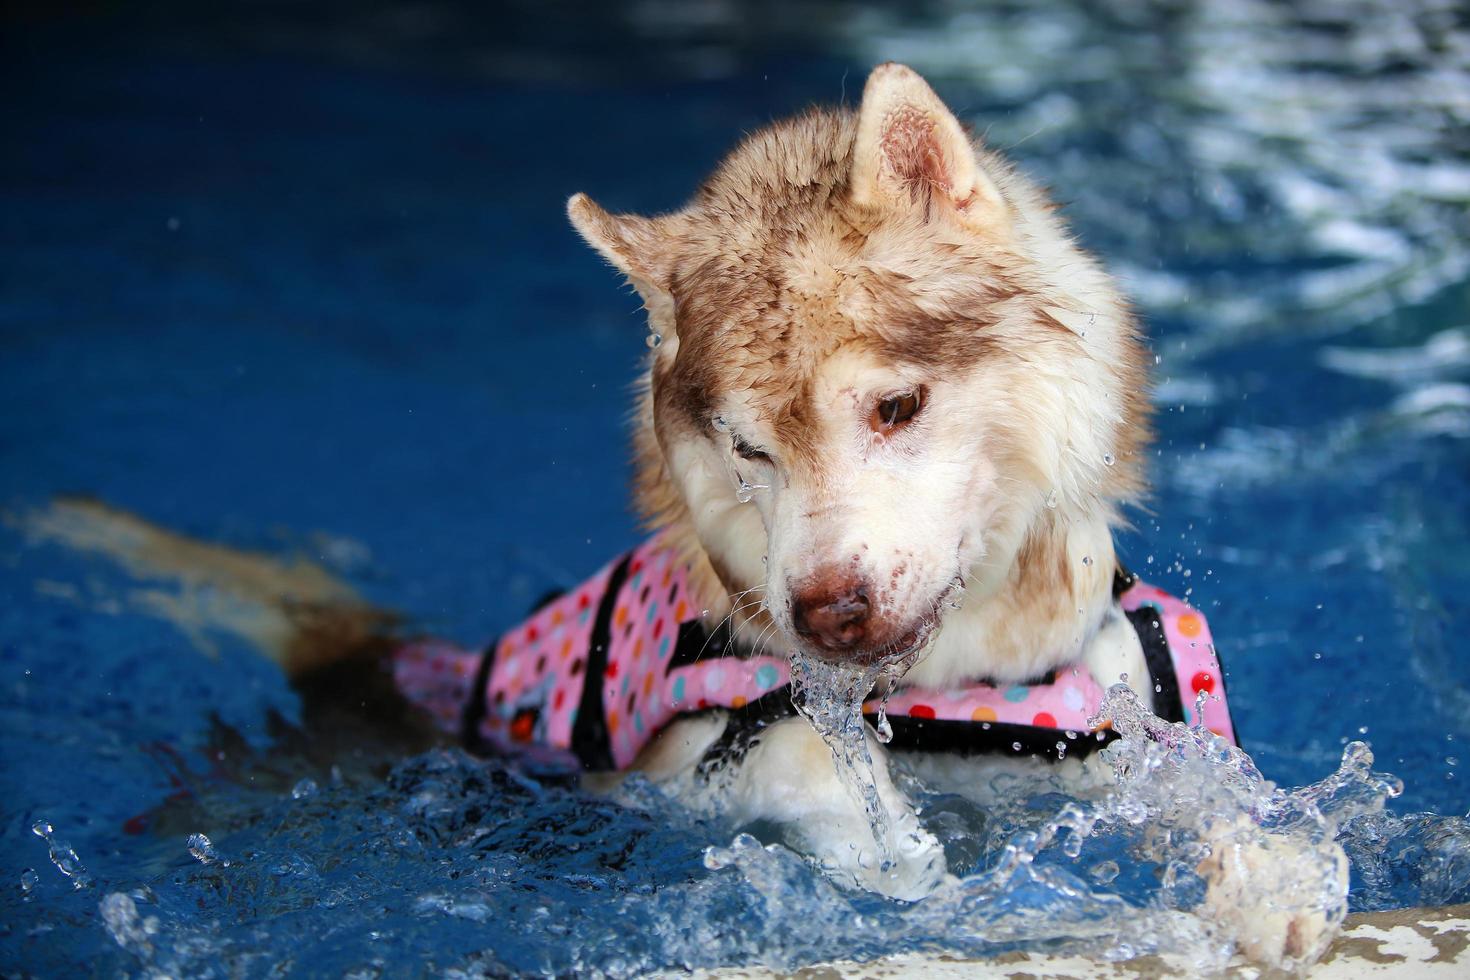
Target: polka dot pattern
[
  {"x": 535, "y": 687},
  {"x": 437, "y": 677},
  {"x": 1192, "y": 649}
]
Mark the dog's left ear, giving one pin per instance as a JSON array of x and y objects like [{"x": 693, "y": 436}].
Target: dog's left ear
[
  {"x": 638, "y": 246},
  {"x": 909, "y": 146}
]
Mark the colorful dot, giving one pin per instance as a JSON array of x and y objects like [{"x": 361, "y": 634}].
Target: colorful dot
[
  {"x": 681, "y": 611},
  {"x": 647, "y": 684},
  {"x": 983, "y": 713},
  {"x": 663, "y": 648},
  {"x": 738, "y": 701},
  {"x": 621, "y": 616},
  {"x": 678, "y": 689},
  {"x": 1202, "y": 682},
  {"x": 612, "y": 722},
  {"x": 1073, "y": 699},
  {"x": 1190, "y": 624},
  {"x": 1044, "y": 719},
  {"x": 921, "y": 711},
  {"x": 766, "y": 677},
  {"x": 1017, "y": 693},
  {"x": 714, "y": 679}
]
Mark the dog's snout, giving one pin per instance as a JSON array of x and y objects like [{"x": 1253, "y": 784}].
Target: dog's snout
[{"x": 833, "y": 615}]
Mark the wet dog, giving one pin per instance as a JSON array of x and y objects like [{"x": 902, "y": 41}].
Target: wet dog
[
  {"x": 889, "y": 421},
  {"x": 934, "y": 401}
]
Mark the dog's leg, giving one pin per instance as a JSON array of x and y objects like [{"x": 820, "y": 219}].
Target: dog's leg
[
  {"x": 1274, "y": 892},
  {"x": 788, "y": 776},
  {"x": 1115, "y": 653}
]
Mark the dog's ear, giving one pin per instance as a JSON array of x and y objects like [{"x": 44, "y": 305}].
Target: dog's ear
[
  {"x": 909, "y": 146},
  {"x": 638, "y": 246}
]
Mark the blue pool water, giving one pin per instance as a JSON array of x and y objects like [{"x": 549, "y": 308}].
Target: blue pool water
[{"x": 301, "y": 283}]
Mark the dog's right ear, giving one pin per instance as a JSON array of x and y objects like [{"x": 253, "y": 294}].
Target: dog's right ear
[{"x": 638, "y": 246}]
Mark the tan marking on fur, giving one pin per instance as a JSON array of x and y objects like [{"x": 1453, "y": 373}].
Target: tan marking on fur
[{"x": 778, "y": 264}]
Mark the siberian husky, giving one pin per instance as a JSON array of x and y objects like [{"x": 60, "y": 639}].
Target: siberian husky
[
  {"x": 892, "y": 413},
  {"x": 935, "y": 399},
  {"x": 891, "y": 416}
]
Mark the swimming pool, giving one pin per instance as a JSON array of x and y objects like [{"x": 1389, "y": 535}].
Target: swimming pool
[{"x": 304, "y": 286}]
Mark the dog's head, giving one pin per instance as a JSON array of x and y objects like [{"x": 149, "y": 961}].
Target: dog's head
[{"x": 881, "y": 364}]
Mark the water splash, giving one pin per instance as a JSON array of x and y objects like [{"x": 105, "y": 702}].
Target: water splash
[
  {"x": 62, "y": 855},
  {"x": 831, "y": 697},
  {"x": 746, "y": 492},
  {"x": 202, "y": 849}
]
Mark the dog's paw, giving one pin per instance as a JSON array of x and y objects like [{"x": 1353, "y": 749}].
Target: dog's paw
[
  {"x": 1284, "y": 899},
  {"x": 915, "y": 868}
]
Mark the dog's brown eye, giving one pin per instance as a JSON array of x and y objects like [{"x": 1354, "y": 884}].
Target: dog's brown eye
[
  {"x": 746, "y": 451},
  {"x": 893, "y": 413}
]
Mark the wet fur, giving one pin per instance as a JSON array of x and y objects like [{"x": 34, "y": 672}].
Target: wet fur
[
  {"x": 783, "y": 277},
  {"x": 830, "y": 259}
]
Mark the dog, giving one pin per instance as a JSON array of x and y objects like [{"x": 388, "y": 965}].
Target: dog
[
  {"x": 891, "y": 417},
  {"x": 890, "y": 397},
  {"x": 892, "y": 400}
]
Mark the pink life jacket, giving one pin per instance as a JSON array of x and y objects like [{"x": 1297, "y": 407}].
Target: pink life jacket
[{"x": 635, "y": 632}]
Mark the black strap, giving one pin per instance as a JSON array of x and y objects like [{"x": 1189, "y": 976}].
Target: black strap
[
  {"x": 743, "y": 728},
  {"x": 1150, "y": 629},
  {"x": 694, "y": 644},
  {"x": 476, "y": 706},
  {"x": 589, "y": 733},
  {"x": 993, "y": 738}
]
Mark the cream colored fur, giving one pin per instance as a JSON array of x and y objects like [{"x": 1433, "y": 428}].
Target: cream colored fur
[{"x": 832, "y": 261}]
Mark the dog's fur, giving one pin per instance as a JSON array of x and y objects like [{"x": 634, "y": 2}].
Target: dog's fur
[{"x": 833, "y": 261}]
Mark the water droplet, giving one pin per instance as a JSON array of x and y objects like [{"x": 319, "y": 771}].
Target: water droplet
[
  {"x": 720, "y": 424},
  {"x": 746, "y": 491},
  {"x": 28, "y": 881},
  {"x": 1108, "y": 459},
  {"x": 654, "y": 339},
  {"x": 304, "y": 789},
  {"x": 203, "y": 849},
  {"x": 1051, "y": 500},
  {"x": 1061, "y": 750},
  {"x": 1087, "y": 559}
]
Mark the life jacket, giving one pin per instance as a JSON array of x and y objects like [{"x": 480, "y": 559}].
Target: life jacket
[{"x": 600, "y": 670}]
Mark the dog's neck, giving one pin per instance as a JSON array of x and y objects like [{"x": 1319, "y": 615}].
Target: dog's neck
[{"x": 1031, "y": 606}]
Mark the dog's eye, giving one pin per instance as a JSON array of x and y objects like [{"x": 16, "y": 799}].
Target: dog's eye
[
  {"x": 746, "y": 451},
  {"x": 894, "y": 413}
]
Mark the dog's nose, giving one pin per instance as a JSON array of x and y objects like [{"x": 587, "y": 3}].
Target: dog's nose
[{"x": 835, "y": 619}]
